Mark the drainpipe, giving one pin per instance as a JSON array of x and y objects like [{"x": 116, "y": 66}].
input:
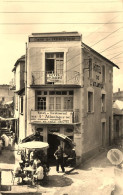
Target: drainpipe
[{"x": 26, "y": 92}]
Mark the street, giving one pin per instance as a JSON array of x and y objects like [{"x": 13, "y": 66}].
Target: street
[{"x": 95, "y": 177}]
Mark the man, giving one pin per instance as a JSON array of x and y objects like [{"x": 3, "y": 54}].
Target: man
[{"x": 59, "y": 158}]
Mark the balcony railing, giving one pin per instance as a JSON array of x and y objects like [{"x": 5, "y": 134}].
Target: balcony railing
[
  {"x": 55, "y": 117},
  {"x": 41, "y": 78}
]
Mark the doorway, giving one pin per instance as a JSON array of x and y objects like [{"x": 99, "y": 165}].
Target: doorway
[
  {"x": 103, "y": 134},
  {"x": 53, "y": 145}
]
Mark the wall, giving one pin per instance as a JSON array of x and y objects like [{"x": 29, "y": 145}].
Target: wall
[{"x": 92, "y": 128}]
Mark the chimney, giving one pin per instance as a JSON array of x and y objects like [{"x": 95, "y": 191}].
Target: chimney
[{"x": 118, "y": 89}]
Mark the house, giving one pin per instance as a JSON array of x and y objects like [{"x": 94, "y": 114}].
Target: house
[
  {"x": 68, "y": 90},
  {"x": 19, "y": 97},
  {"x": 6, "y": 101}
]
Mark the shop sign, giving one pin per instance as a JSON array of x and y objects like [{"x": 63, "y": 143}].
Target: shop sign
[
  {"x": 97, "y": 73},
  {"x": 53, "y": 77},
  {"x": 51, "y": 117}
]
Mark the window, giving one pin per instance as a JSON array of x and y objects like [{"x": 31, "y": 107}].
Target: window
[
  {"x": 90, "y": 68},
  {"x": 3, "y": 98},
  {"x": 90, "y": 101},
  {"x": 16, "y": 102},
  {"x": 54, "y": 63},
  {"x": 54, "y": 100},
  {"x": 103, "y": 109},
  {"x": 103, "y": 73},
  {"x": 21, "y": 105},
  {"x": 41, "y": 104},
  {"x": 68, "y": 103},
  {"x": 51, "y": 103}
]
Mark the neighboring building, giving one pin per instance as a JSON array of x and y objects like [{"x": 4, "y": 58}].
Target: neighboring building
[
  {"x": 6, "y": 101},
  {"x": 69, "y": 90},
  {"x": 19, "y": 98},
  {"x": 118, "y": 95},
  {"x": 118, "y": 120}
]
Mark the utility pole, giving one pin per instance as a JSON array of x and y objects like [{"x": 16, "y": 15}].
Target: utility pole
[{"x": 26, "y": 92}]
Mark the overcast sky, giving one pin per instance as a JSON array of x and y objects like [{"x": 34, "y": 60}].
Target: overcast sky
[{"x": 99, "y": 21}]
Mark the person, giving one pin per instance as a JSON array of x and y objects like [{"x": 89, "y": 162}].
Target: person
[
  {"x": 39, "y": 174},
  {"x": 32, "y": 157},
  {"x": 59, "y": 158},
  {"x": 35, "y": 162},
  {"x": 5, "y": 139},
  {"x": 18, "y": 172}
]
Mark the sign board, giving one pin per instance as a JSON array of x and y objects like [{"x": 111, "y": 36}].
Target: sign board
[
  {"x": 53, "y": 77},
  {"x": 51, "y": 117}
]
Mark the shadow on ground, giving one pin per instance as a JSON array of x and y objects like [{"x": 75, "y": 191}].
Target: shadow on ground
[{"x": 58, "y": 181}]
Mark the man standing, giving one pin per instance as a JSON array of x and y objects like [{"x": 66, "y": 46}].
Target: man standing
[{"x": 59, "y": 158}]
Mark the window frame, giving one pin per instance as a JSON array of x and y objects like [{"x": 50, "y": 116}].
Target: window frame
[{"x": 90, "y": 90}]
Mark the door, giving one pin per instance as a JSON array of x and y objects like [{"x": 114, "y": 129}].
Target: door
[
  {"x": 53, "y": 145},
  {"x": 103, "y": 134}
]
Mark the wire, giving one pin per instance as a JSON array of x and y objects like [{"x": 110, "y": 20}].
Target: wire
[
  {"x": 63, "y": 12},
  {"x": 111, "y": 46},
  {"x": 107, "y": 36},
  {"x": 116, "y": 55},
  {"x": 47, "y": 23},
  {"x": 102, "y": 26},
  {"x": 82, "y": 2}
]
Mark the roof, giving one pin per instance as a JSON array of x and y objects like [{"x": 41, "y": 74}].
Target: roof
[
  {"x": 52, "y": 34},
  {"x": 86, "y": 46},
  {"x": 118, "y": 107},
  {"x": 21, "y": 91},
  {"x": 21, "y": 59}
]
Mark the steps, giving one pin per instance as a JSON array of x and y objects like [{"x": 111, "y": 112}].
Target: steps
[{"x": 5, "y": 131}]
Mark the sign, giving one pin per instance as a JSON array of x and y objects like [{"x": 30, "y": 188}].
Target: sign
[
  {"x": 115, "y": 156},
  {"x": 54, "y": 39},
  {"x": 52, "y": 117},
  {"x": 53, "y": 77},
  {"x": 97, "y": 73}
]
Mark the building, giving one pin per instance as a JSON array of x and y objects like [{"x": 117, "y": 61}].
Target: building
[
  {"x": 68, "y": 89},
  {"x": 19, "y": 97},
  {"x": 6, "y": 101},
  {"x": 118, "y": 120},
  {"x": 118, "y": 95}
]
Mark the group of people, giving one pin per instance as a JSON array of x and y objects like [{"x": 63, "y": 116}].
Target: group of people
[{"x": 31, "y": 167}]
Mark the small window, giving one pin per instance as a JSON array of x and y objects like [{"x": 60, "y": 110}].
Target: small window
[
  {"x": 103, "y": 109},
  {"x": 70, "y": 92},
  {"x": 90, "y": 68},
  {"x": 103, "y": 73},
  {"x": 21, "y": 105},
  {"x": 3, "y": 98},
  {"x": 51, "y": 92},
  {"x": 90, "y": 101},
  {"x": 45, "y": 92},
  {"x": 64, "y": 92},
  {"x": 58, "y": 92},
  {"x": 39, "y": 92},
  {"x": 41, "y": 103},
  {"x": 68, "y": 103}
]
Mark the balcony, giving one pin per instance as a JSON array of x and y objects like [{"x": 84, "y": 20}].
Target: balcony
[
  {"x": 54, "y": 117},
  {"x": 42, "y": 78}
]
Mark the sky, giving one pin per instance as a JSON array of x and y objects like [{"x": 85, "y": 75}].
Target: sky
[{"x": 99, "y": 21}]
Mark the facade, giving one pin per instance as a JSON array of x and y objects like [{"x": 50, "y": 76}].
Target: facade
[
  {"x": 6, "y": 101},
  {"x": 19, "y": 98},
  {"x": 118, "y": 95},
  {"x": 69, "y": 91}
]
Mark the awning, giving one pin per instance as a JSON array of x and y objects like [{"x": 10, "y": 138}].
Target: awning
[
  {"x": 64, "y": 138},
  {"x": 33, "y": 145},
  {"x": 29, "y": 138}
]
